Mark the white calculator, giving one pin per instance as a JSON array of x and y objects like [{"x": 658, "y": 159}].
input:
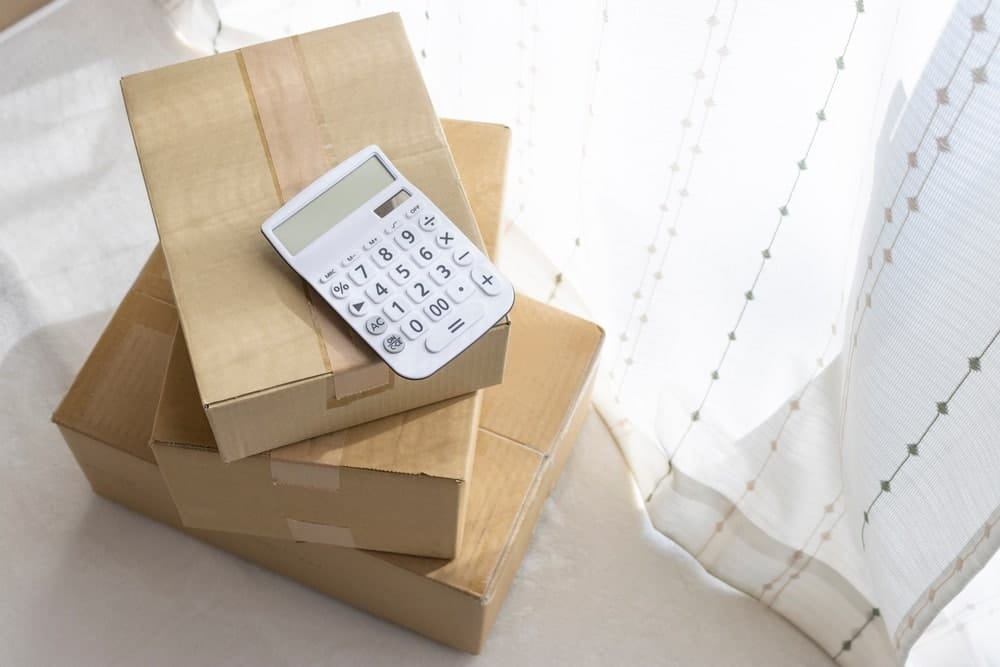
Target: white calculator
[{"x": 390, "y": 263}]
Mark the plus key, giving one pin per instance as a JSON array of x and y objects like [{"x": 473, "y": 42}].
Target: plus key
[{"x": 487, "y": 280}]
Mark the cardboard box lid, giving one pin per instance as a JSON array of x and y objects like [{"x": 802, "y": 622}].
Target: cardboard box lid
[
  {"x": 434, "y": 440},
  {"x": 115, "y": 394},
  {"x": 224, "y": 140}
]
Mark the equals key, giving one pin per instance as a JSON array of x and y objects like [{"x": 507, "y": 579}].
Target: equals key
[{"x": 448, "y": 331}]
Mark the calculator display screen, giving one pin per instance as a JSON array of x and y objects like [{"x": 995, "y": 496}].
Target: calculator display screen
[{"x": 333, "y": 205}]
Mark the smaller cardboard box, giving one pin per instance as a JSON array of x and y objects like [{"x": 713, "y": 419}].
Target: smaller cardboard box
[
  {"x": 223, "y": 142},
  {"x": 527, "y": 428},
  {"x": 395, "y": 484}
]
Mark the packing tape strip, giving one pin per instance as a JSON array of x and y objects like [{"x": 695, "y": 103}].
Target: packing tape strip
[
  {"x": 305, "y": 475},
  {"x": 284, "y": 105},
  {"x": 320, "y": 533}
]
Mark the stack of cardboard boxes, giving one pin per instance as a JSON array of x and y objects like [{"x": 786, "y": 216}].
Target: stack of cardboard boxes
[{"x": 227, "y": 400}]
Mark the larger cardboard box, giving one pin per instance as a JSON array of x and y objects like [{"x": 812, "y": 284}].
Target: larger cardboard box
[
  {"x": 527, "y": 428},
  {"x": 223, "y": 141},
  {"x": 397, "y": 484}
]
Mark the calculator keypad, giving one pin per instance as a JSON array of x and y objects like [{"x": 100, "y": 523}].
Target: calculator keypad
[{"x": 414, "y": 283}]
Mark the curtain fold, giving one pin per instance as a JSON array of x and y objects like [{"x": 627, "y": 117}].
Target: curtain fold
[{"x": 785, "y": 215}]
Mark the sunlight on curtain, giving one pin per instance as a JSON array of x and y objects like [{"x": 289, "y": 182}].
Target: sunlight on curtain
[{"x": 784, "y": 215}]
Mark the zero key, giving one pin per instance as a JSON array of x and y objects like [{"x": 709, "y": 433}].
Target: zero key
[{"x": 453, "y": 327}]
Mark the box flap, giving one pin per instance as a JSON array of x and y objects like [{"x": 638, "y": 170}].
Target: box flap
[
  {"x": 154, "y": 279},
  {"x": 211, "y": 177},
  {"x": 114, "y": 396},
  {"x": 180, "y": 417},
  {"x": 433, "y": 440}
]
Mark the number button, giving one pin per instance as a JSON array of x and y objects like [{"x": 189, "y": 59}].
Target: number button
[
  {"x": 376, "y": 325},
  {"x": 382, "y": 256},
  {"x": 423, "y": 256},
  {"x": 401, "y": 273},
  {"x": 413, "y": 328},
  {"x": 418, "y": 292},
  {"x": 437, "y": 309},
  {"x": 445, "y": 240},
  {"x": 360, "y": 274},
  {"x": 459, "y": 291},
  {"x": 406, "y": 237},
  {"x": 378, "y": 290},
  {"x": 441, "y": 274},
  {"x": 395, "y": 309},
  {"x": 393, "y": 343},
  {"x": 487, "y": 280},
  {"x": 428, "y": 223},
  {"x": 463, "y": 256},
  {"x": 358, "y": 308}
]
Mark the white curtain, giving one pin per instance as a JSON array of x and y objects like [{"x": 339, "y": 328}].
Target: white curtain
[{"x": 786, "y": 216}]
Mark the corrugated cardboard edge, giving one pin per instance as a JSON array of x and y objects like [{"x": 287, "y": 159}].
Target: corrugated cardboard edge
[{"x": 545, "y": 479}]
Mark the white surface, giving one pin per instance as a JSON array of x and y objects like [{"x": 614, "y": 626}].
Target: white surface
[{"x": 87, "y": 582}]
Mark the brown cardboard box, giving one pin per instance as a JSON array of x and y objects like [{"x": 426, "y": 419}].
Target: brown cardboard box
[
  {"x": 397, "y": 484},
  {"x": 394, "y": 484},
  {"x": 528, "y": 426},
  {"x": 12, "y": 11},
  {"x": 223, "y": 141}
]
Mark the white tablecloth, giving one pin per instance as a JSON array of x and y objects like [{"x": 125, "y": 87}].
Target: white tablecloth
[{"x": 87, "y": 582}]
